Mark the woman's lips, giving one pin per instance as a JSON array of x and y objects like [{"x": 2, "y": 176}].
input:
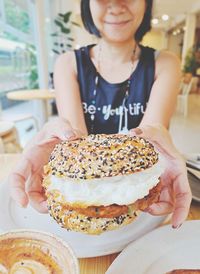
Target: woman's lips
[{"x": 121, "y": 23}]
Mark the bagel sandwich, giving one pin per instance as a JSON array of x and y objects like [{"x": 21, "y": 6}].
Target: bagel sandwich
[{"x": 100, "y": 182}]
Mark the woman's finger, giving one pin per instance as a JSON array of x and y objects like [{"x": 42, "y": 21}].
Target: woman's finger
[
  {"x": 17, "y": 181},
  {"x": 183, "y": 199},
  {"x": 165, "y": 204},
  {"x": 38, "y": 201},
  {"x": 36, "y": 193},
  {"x": 60, "y": 129},
  {"x": 56, "y": 132},
  {"x": 53, "y": 140},
  {"x": 62, "y": 134},
  {"x": 160, "y": 137},
  {"x": 160, "y": 208},
  {"x": 32, "y": 159}
]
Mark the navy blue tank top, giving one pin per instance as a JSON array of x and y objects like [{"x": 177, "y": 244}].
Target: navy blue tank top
[{"x": 109, "y": 115}]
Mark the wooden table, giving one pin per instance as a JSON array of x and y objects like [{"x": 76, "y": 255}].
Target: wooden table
[
  {"x": 97, "y": 265},
  {"x": 35, "y": 94},
  {"x": 41, "y": 94}
]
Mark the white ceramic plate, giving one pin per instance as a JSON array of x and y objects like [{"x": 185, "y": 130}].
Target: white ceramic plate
[
  {"x": 194, "y": 179},
  {"x": 14, "y": 217},
  {"x": 160, "y": 251},
  {"x": 193, "y": 160}
]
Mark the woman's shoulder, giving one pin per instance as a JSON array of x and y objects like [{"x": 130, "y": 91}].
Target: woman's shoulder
[
  {"x": 167, "y": 61},
  {"x": 66, "y": 61},
  {"x": 67, "y": 57},
  {"x": 161, "y": 55},
  {"x": 70, "y": 55},
  {"x": 167, "y": 56}
]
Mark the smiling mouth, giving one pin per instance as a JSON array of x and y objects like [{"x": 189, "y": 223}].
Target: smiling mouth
[{"x": 117, "y": 23}]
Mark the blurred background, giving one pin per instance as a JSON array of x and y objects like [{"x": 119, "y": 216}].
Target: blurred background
[{"x": 34, "y": 32}]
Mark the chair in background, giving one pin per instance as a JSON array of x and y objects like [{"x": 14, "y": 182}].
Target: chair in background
[
  {"x": 22, "y": 117},
  {"x": 182, "y": 100},
  {"x": 9, "y": 130},
  {"x": 9, "y": 141},
  {"x": 18, "y": 118}
]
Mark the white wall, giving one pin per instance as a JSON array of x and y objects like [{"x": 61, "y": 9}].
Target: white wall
[
  {"x": 155, "y": 39},
  {"x": 175, "y": 43}
]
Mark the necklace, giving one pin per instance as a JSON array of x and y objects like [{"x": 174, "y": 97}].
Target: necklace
[{"x": 123, "y": 109}]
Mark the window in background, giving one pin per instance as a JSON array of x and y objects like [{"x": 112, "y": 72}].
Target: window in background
[
  {"x": 16, "y": 14},
  {"x": 18, "y": 66}
]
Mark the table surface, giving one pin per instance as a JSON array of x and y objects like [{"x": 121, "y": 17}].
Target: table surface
[
  {"x": 34, "y": 94},
  {"x": 97, "y": 265}
]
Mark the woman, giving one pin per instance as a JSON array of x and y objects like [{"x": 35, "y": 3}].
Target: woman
[{"x": 105, "y": 88}]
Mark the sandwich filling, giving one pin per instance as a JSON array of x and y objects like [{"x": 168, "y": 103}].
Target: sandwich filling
[{"x": 120, "y": 190}]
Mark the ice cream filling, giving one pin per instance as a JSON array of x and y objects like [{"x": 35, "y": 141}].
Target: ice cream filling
[{"x": 119, "y": 190}]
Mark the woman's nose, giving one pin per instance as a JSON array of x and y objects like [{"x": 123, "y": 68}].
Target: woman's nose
[{"x": 116, "y": 7}]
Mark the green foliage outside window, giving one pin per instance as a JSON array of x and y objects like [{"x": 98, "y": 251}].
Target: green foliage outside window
[
  {"x": 33, "y": 72},
  {"x": 16, "y": 16},
  {"x": 63, "y": 39}
]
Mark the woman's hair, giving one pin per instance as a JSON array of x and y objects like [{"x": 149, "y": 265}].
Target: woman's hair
[{"x": 144, "y": 27}]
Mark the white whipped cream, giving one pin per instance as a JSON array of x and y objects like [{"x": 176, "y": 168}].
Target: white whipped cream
[{"x": 106, "y": 191}]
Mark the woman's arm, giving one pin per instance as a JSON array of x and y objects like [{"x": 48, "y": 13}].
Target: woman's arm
[
  {"x": 67, "y": 92},
  {"x": 165, "y": 89}
]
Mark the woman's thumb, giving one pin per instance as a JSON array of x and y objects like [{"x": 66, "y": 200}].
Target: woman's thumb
[
  {"x": 136, "y": 131},
  {"x": 67, "y": 134}
]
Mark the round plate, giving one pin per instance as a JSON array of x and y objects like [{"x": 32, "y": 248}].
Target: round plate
[
  {"x": 14, "y": 217},
  {"x": 161, "y": 251}
]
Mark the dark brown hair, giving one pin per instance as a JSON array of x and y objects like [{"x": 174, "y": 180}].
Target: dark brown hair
[{"x": 144, "y": 27}]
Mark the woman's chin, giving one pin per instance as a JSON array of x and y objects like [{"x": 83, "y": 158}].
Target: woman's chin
[{"x": 117, "y": 38}]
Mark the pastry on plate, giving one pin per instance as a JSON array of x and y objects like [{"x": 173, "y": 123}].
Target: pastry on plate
[{"x": 100, "y": 182}]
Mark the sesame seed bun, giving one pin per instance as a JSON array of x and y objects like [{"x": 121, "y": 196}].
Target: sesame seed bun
[
  {"x": 98, "y": 156},
  {"x": 100, "y": 182}
]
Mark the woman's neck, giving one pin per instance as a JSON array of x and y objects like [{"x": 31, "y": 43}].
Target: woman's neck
[{"x": 117, "y": 52}]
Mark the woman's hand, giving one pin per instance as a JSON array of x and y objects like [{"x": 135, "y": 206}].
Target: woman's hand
[
  {"x": 176, "y": 195},
  {"x": 25, "y": 180}
]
